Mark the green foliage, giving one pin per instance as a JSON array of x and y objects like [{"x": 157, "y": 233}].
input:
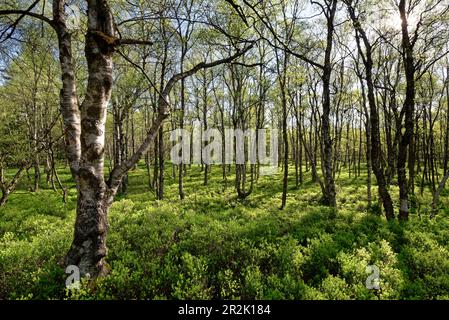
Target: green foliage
[{"x": 213, "y": 246}]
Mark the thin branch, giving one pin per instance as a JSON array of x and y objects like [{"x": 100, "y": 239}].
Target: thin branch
[
  {"x": 13, "y": 26},
  {"x": 117, "y": 173},
  {"x": 26, "y": 13}
]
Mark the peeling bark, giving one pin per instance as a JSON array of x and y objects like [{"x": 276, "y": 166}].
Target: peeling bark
[
  {"x": 68, "y": 96},
  {"x": 89, "y": 249}
]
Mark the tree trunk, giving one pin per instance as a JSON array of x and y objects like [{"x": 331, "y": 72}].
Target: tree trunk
[
  {"x": 368, "y": 133},
  {"x": 409, "y": 107},
  {"x": 160, "y": 186},
  {"x": 376, "y": 149},
  {"x": 436, "y": 195},
  {"x": 284, "y": 133},
  {"x": 8, "y": 187},
  {"x": 4, "y": 198},
  {"x": 37, "y": 173},
  {"x": 88, "y": 249},
  {"x": 329, "y": 198},
  {"x": 181, "y": 125}
]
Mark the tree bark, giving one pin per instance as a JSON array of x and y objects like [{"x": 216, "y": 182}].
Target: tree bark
[
  {"x": 8, "y": 187},
  {"x": 329, "y": 198},
  {"x": 376, "y": 149},
  {"x": 409, "y": 108},
  {"x": 88, "y": 249}
]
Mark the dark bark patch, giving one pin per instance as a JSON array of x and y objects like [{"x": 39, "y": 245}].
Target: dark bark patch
[
  {"x": 91, "y": 126},
  {"x": 94, "y": 152}
]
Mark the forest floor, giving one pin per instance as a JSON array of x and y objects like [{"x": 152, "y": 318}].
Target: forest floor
[{"x": 213, "y": 245}]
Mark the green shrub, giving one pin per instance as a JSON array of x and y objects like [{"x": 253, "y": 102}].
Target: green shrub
[{"x": 213, "y": 246}]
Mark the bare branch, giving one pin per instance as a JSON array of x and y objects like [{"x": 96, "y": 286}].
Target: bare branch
[
  {"x": 22, "y": 14},
  {"x": 163, "y": 111}
]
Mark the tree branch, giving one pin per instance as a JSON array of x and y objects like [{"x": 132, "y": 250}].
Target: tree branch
[
  {"x": 117, "y": 173},
  {"x": 22, "y": 14}
]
